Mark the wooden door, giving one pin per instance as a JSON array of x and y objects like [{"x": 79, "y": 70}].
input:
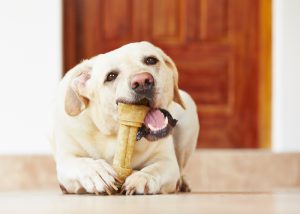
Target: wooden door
[{"x": 215, "y": 43}]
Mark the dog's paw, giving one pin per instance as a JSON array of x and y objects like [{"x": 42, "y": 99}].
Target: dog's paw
[
  {"x": 86, "y": 175},
  {"x": 140, "y": 183}
]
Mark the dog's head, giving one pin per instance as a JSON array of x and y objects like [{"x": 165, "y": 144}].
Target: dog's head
[{"x": 137, "y": 73}]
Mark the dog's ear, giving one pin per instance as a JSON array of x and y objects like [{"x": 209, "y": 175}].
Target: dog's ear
[
  {"x": 76, "y": 98},
  {"x": 177, "y": 98}
]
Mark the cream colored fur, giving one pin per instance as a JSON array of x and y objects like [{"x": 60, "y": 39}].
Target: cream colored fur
[{"x": 86, "y": 124}]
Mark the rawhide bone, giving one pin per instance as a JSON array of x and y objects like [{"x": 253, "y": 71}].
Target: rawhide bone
[{"x": 131, "y": 118}]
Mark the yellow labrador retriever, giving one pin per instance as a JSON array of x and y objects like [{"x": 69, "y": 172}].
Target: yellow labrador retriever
[{"x": 86, "y": 123}]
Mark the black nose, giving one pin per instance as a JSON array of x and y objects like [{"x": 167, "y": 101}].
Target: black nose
[{"x": 142, "y": 83}]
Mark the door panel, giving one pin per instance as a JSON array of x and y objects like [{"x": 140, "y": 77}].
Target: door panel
[{"x": 214, "y": 43}]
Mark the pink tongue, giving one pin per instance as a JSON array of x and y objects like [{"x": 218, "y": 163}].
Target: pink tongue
[{"x": 155, "y": 118}]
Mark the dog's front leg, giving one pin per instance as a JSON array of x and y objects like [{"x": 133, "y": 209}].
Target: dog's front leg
[{"x": 160, "y": 174}]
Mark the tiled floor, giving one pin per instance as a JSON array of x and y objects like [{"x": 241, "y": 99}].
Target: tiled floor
[{"x": 55, "y": 202}]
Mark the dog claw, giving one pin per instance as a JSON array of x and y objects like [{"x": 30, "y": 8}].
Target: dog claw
[
  {"x": 146, "y": 190},
  {"x": 108, "y": 191},
  {"x": 63, "y": 189},
  {"x": 118, "y": 180},
  {"x": 131, "y": 191},
  {"x": 122, "y": 191},
  {"x": 177, "y": 186},
  {"x": 114, "y": 187},
  {"x": 96, "y": 192}
]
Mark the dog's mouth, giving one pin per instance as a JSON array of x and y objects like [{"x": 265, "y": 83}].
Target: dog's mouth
[
  {"x": 143, "y": 101},
  {"x": 158, "y": 122}
]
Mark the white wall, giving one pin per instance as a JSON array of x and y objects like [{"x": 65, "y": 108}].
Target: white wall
[
  {"x": 30, "y": 53},
  {"x": 286, "y": 75}
]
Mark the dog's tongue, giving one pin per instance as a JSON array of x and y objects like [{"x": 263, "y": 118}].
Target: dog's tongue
[{"x": 154, "y": 118}]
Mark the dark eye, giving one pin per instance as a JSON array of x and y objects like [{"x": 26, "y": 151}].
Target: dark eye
[
  {"x": 151, "y": 60},
  {"x": 111, "y": 76}
]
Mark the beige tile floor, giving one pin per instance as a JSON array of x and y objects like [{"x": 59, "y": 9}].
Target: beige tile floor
[{"x": 54, "y": 202}]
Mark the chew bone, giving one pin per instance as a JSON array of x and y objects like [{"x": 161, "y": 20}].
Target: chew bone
[{"x": 131, "y": 117}]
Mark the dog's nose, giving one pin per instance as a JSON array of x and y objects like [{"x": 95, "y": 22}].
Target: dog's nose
[{"x": 142, "y": 83}]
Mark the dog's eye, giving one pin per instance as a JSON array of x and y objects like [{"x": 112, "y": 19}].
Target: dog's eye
[
  {"x": 151, "y": 60},
  {"x": 111, "y": 76}
]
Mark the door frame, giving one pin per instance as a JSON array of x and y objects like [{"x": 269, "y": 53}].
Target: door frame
[{"x": 265, "y": 74}]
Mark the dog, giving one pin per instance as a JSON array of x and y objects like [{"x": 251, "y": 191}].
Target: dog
[{"x": 86, "y": 123}]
